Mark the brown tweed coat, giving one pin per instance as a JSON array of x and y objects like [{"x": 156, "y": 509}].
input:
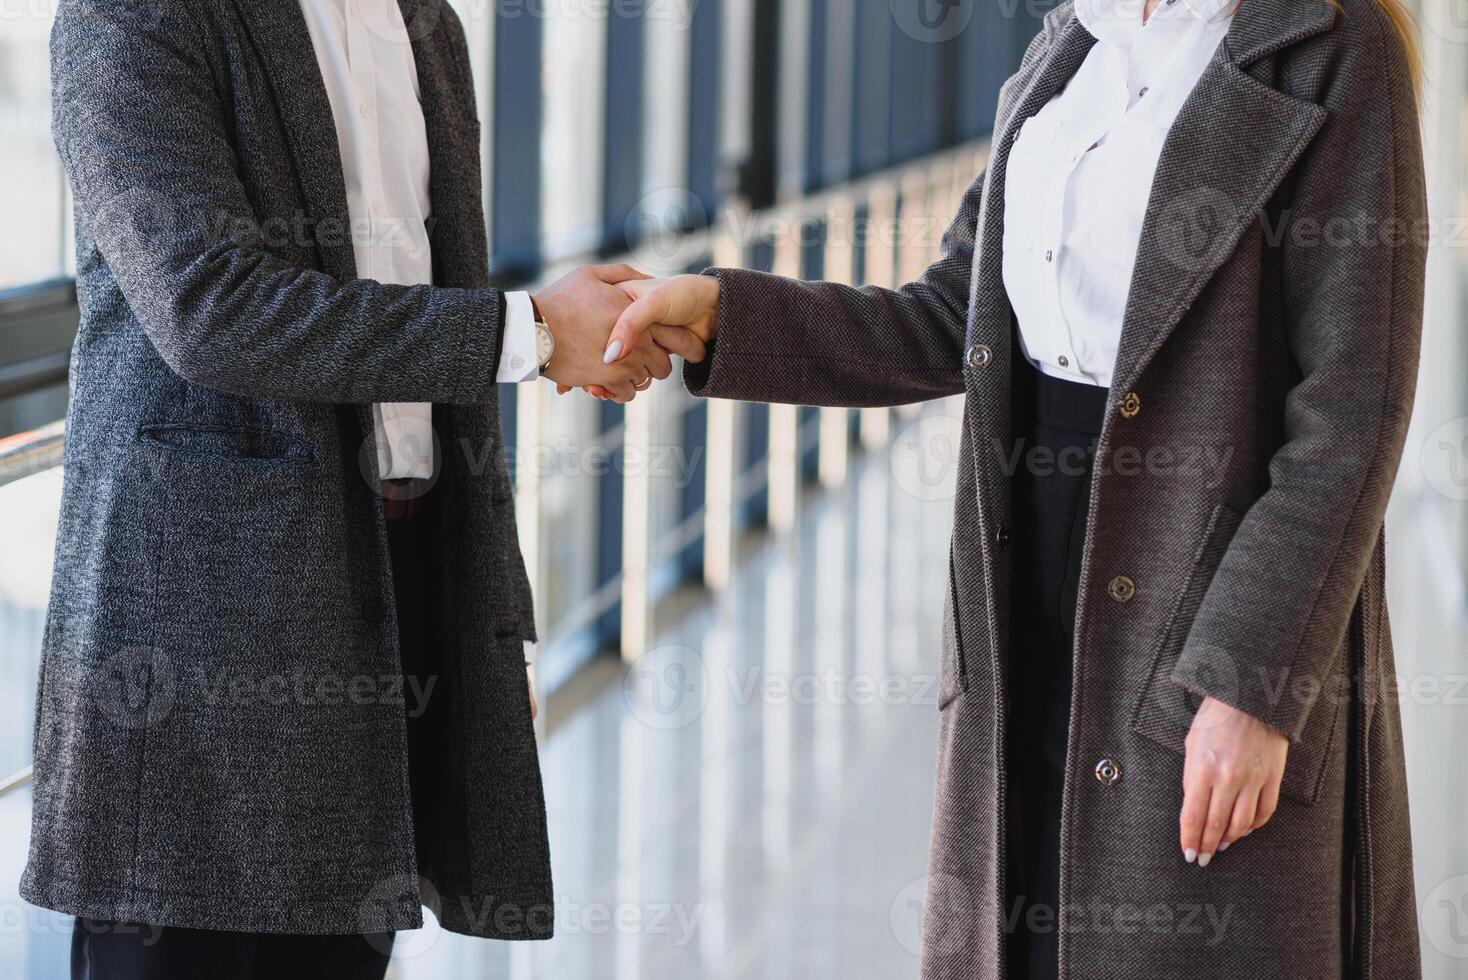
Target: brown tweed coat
[{"x": 1234, "y": 548}]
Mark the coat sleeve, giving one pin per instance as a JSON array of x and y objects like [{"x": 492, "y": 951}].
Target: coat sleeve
[
  {"x": 821, "y": 343},
  {"x": 140, "y": 125},
  {"x": 1269, "y": 632}
]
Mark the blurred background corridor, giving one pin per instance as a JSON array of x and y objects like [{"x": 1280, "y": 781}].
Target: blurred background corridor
[{"x": 738, "y": 678}]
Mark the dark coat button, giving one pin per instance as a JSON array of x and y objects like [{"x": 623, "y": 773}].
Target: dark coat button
[
  {"x": 1131, "y": 405},
  {"x": 980, "y": 356},
  {"x": 1002, "y": 535},
  {"x": 1108, "y": 772}
]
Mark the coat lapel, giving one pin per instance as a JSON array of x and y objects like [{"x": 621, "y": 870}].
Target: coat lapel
[
  {"x": 278, "y": 33},
  {"x": 1232, "y": 144},
  {"x": 1057, "y": 66},
  {"x": 446, "y": 87},
  {"x": 991, "y": 314}
]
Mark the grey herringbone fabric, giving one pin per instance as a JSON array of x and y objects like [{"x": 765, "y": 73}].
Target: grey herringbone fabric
[
  {"x": 220, "y": 738},
  {"x": 1270, "y": 347}
]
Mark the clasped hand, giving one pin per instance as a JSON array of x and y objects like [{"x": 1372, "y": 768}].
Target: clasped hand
[{"x": 615, "y": 328}]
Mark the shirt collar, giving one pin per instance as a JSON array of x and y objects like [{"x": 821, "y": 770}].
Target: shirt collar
[{"x": 1118, "y": 21}]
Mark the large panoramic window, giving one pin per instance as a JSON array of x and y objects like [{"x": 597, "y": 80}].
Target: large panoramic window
[{"x": 32, "y": 190}]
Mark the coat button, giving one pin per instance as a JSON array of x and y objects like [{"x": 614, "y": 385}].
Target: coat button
[
  {"x": 980, "y": 356},
  {"x": 1002, "y": 535},
  {"x": 1108, "y": 771},
  {"x": 1122, "y": 589},
  {"x": 1131, "y": 405}
]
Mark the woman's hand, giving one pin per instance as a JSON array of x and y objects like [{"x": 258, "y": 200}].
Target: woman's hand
[
  {"x": 1231, "y": 778},
  {"x": 682, "y": 311}
]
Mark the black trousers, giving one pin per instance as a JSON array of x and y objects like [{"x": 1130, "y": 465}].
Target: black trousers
[
  {"x": 1058, "y": 422},
  {"x": 130, "y": 951},
  {"x": 104, "y": 950}
]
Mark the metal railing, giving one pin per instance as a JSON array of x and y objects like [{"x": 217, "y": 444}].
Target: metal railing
[
  {"x": 936, "y": 181},
  {"x": 32, "y": 452},
  {"x": 37, "y": 326}
]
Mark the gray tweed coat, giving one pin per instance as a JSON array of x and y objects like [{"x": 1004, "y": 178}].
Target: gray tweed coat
[
  {"x": 220, "y": 737},
  {"x": 1261, "y": 396}
]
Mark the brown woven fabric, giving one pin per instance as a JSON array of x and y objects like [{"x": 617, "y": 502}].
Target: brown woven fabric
[{"x": 1270, "y": 351}]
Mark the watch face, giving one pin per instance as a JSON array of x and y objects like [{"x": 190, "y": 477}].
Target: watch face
[{"x": 545, "y": 344}]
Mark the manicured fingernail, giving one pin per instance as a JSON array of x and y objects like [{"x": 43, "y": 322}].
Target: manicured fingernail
[
  {"x": 1203, "y": 860},
  {"x": 1190, "y": 855},
  {"x": 614, "y": 351},
  {"x": 1222, "y": 846}
]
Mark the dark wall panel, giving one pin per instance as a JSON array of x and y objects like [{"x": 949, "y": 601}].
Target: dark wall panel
[
  {"x": 514, "y": 198},
  {"x": 622, "y": 104}
]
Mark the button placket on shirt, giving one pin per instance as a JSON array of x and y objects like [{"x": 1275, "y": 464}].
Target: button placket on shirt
[
  {"x": 1084, "y": 139},
  {"x": 364, "y": 81},
  {"x": 1134, "y": 80}
]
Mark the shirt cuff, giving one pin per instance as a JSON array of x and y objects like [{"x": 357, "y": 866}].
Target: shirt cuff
[
  {"x": 529, "y": 651},
  {"x": 518, "y": 359}
]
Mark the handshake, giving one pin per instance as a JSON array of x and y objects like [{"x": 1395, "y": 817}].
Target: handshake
[{"x": 615, "y": 328}]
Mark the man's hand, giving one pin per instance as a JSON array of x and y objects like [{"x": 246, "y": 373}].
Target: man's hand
[
  {"x": 681, "y": 314},
  {"x": 1231, "y": 778},
  {"x": 579, "y": 309}
]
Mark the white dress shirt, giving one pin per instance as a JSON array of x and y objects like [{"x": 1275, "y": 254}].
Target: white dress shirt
[
  {"x": 371, "y": 81},
  {"x": 1080, "y": 174}
]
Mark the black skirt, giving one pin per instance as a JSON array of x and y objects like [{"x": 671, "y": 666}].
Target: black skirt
[{"x": 1058, "y": 423}]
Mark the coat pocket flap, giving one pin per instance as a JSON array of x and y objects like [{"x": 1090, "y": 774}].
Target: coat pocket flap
[{"x": 1164, "y": 710}]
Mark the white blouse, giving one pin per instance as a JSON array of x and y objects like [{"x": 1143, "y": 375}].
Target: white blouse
[{"x": 1080, "y": 174}]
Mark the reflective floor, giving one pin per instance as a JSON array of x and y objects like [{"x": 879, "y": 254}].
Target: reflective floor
[{"x": 752, "y": 799}]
